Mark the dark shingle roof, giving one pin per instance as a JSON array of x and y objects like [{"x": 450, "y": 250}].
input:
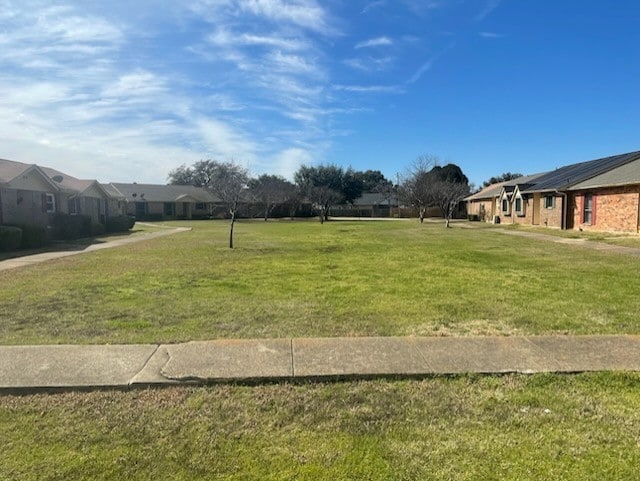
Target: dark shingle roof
[
  {"x": 627, "y": 174},
  {"x": 567, "y": 176}
]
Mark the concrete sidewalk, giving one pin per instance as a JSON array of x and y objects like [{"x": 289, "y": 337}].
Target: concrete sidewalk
[
  {"x": 26, "y": 369},
  {"x": 71, "y": 251}
]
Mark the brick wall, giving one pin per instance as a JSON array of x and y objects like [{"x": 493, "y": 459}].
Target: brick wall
[
  {"x": 616, "y": 210},
  {"x": 477, "y": 207},
  {"x": 551, "y": 217}
]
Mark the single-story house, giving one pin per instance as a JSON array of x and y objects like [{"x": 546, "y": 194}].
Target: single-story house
[
  {"x": 597, "y": 195},
  {"x": 369, "y": 204},
  {"x": 156, "y": 201},
  {"x": 484, "y": 204},
  {"x": 32, "y": 195}
]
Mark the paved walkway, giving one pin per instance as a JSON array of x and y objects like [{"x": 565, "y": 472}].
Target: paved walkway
[
  {"x": 69, "y": 367},
  {"x": 72, "y": 250}
]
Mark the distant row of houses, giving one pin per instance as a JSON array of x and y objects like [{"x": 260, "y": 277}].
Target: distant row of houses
[
  {"x": 597, "y": 195},
  {"x": 32, "y": 195}
]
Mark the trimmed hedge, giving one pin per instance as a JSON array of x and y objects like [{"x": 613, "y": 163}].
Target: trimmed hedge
[
  {"x": 10, "y": 238},
  {"x": 97, "y": 229},
  {"x": 121, "y": 223},
  {"x": 69, "y": 227},
  {"x": 33, "y": 236}
]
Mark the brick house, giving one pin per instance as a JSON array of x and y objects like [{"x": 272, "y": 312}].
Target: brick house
[
  {"x": 167, "y": 202},
  {"x": 597, "y": 195},
  {"x": 33, "y": 195}
]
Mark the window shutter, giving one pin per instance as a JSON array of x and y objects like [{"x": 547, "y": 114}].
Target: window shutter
[
  {"x": 582, "y": 209},
  {"x": 593, "y": 209}
]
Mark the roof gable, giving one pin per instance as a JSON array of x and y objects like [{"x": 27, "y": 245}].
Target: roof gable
[{"x": 25, "y": 176}]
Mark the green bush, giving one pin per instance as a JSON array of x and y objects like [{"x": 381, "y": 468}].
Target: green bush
[
  {"x": 33, "y": 236},
  {"x": 69, "y": 227},
  {"x": 473, "y": 217},
  {"x": 97, "y": 229},
  {"x": 10, "y": 238},
  {"x": 121, "y": 223}
]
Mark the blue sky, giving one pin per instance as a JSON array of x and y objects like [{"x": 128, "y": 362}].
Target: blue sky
[{"x": 126, "y": 91}]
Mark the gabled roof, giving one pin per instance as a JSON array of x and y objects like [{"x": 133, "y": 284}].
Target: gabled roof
[
  {"x": 70, "y": 184},
  {"x": 10, "y": 169},
  {"x": 489, "y": 192},
  {"x": 496, "y": 190},
  {"x": 163, "y": 193},
  {"x": 374, "y": 198},
  {"x": 627, "y": 174},
  {"x": 567, "y": 176}
]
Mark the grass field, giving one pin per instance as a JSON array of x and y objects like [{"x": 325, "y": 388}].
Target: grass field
[
  {"x": 342, "y": 278},
  {"x": 291, "y": 279},
  {"x": 542, "y": 427}
]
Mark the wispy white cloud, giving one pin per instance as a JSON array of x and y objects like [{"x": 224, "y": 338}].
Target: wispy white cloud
[
  {"x": 374, "y": 42},
  {"x": 492, "y": 35},
  {"x": 371, "y": 89},
  {"x": 304, "y": 13},
  {"x": 369, "y": 64},
  {"x": 426, "y": 66},
  {"x": 488, "y": 7},
  {"x": 373, "y": 5},
  {"x": 287, "y": 161}
]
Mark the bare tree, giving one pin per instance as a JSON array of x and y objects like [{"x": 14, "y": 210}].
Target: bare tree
[
  {"x": 415, "y": 188},
  {"x": 271, "y": 190},
  {"x": 447, "y": 196},
  {"x": 228, "y": 181}
]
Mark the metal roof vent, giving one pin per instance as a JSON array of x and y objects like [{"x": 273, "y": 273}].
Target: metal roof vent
[{"x": 57, "y": 178}]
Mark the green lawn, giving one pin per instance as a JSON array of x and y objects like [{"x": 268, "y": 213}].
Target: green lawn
[
  {"x": 342, "y": 278},
  {"x": 290, "y": 279},
  {"x": 541, "y": 427}
]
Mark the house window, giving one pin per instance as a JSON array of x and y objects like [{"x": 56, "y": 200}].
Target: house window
[
  {"x": 549, "y": 201},
  {"x": 505, "y": 206},
  {"x": 200, "y": 206},
  {"x": 169, "y": 209},
  {"x": 74, "y": 206},
  {"x": 518, "y": 207},
  {"x": 50, "y": 203},
  {"x": 587, "y": 212}
]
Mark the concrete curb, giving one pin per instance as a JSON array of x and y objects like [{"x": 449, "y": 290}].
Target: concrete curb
[{"x": 27, "y": 369}]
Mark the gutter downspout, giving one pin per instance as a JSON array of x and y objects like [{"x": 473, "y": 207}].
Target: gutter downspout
[{"x": 565, "y": 210}]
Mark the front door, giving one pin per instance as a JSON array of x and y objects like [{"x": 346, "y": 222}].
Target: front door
[
  {"x": 141, "y": 210},
  {"x": 536, "y": 209}
]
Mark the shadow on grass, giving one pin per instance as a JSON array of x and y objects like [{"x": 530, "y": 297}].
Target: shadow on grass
[{"x": 70, "y": 245}]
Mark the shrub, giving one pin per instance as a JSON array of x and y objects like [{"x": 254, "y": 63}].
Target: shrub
[
  {"x": 10, "y": 238},
  {"x": 33, "y": 236},
  {"x": 97, "y": 229},
  {"x": 69, "y": 227},
  {"x": 121, "y": 223},
  {"x": 473, "y": 217}
]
